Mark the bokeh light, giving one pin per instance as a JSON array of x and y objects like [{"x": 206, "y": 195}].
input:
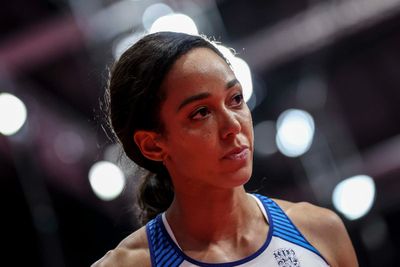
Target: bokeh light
[
  {"x": 243, "y": 74},
  {"x": 69, "y": 147},
  {"x": 295, "y": 132},
  {"x": 354, "y": 196},
  {"x": 121, "y": 45},
  {"x": 153, "y": 12},
  {"x": 12, "y": 114},
  {"x": 175, "y": 23},
  {"x": 107, "y": 180},
  {"x": 241, "y": 69}
]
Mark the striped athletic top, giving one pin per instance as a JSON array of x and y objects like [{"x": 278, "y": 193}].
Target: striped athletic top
[{"x": 284, "y": 246}]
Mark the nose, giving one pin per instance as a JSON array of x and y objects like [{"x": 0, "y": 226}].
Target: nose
[{"x": 229, "y": 124}]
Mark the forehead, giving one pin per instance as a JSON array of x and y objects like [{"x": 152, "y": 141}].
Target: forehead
[
  {"x": 198, "y": 60},
  {"x": 199, "y": 70}
]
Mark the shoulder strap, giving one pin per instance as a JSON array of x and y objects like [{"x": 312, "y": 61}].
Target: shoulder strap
[
  {"x": 163, "y": 251},
  {"x": 282, "y": 226}
]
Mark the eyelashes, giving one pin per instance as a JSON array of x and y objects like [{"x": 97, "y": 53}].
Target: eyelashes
[
  {"x": 238, "y": 98},
  {"x": 203, "y": 112},
  {"x": 200, "y": 113}
]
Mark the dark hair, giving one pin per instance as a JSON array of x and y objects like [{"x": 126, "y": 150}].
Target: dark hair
[{"x": 134, "y": 98}]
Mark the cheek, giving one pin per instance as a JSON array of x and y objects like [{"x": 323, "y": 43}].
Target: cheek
[
  {"x": 198, "y": 139},
  {"x": 191, "y": 142},
  {"x": 247, "y": 122},
  {"x": 251, "y": 127}
]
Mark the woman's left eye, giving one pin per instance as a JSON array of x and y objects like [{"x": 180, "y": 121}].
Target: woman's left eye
[
  {"x": 200, "y": 113},
  {"x": 237, "y": 100}
]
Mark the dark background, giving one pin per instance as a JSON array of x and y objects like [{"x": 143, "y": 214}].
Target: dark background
[{"x": 54, "y": 56}]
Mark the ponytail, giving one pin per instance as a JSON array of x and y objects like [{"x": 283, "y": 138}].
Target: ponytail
[{"x": 155, "y": 195}]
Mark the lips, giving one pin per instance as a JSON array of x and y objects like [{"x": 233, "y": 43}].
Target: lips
[{"x": 238, "y": 153}]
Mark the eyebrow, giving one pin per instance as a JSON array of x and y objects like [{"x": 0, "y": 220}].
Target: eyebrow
[{"x": 201, "y": 96}]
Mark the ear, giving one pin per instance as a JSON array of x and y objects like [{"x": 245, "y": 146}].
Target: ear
[{"x": 149, "y": 145}]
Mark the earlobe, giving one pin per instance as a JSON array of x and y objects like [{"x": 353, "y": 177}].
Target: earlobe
[{"x": 148, "y": 145}]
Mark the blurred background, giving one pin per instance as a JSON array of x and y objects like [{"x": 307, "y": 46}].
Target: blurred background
[{"x": 322, "y": 79}]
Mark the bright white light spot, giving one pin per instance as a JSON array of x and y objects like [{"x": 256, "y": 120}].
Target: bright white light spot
[
  {"x": 12, "y": 114},
  {"x": 295, "y": 132},
  {"x": 354, "y": 196},
  {"x": 226, "y": 52},
  {"x": 69, "y": 147},
  {"x": 114, "y": 153},
  {"x": 124, "y": 43},
  {"x": 264, "y": 141},
  {"x": 175, "y": 23},
  {"x": 106, "y": 180},
  {"x": 241, "y": 69},
  {"x": 153, "y": 12},
  {"x": 243, "y": 74}
]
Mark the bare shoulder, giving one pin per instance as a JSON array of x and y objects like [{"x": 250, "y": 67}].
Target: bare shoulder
[
  {"x": 132, "y": 251},
  {"x": 324, "y": 229},
  {"x": 307, "y": 215}
]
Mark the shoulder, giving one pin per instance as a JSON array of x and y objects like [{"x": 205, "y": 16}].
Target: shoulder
[
  {"x": 324, "y": 229},
  {"x": 308, "y": 215},
  {"x": 132, "y": 251}
]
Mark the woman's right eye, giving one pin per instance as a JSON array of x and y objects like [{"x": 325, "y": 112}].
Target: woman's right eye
[{"x": 200, "y": 113}]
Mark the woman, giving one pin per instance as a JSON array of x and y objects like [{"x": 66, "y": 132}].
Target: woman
[{"x": 178, "y": 110}]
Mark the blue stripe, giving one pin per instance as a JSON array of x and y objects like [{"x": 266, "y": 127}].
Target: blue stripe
[
  {"x": 264, "y": 199},
  {"x": 166, "y": 256},
  {"x": 160, "y": 240},
  {"x": 281, "y": 218},
  {"x": 284, "y": 228},
  {"x": 294, "y": 241},
  {"x": 287, "y": 229},
  {"x": 162, "y": 252},
  {"x": 174, "y": 261},
  {"x": 151, "y": 249},
  {"x": 284, "y": 223},
  {"x": 277, "y": 210},
  {"x": 295, "y": 236},
  {"x": 277, "y": 214}
]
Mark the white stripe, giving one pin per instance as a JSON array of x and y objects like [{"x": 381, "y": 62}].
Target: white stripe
[{"x": 169, "y": 230}]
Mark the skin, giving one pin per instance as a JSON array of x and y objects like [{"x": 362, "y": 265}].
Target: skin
[{"x": 207, "y": 124}]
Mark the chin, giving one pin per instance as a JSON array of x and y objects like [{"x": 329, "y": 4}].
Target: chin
[{"x": 239, "y": 177}]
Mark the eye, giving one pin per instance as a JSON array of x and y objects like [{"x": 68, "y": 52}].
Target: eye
[
  {"x": 237, "y": 100},
  {"x": 200, "y": 113}
]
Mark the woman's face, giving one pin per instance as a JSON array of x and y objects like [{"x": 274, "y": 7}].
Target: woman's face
[{"x": 208, "y": 139}]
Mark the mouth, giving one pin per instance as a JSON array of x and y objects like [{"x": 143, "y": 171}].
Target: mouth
[{"x": 238, "y": 153}]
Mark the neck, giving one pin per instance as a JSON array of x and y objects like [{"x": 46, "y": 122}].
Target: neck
[{"x": 212, "y": 216}]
